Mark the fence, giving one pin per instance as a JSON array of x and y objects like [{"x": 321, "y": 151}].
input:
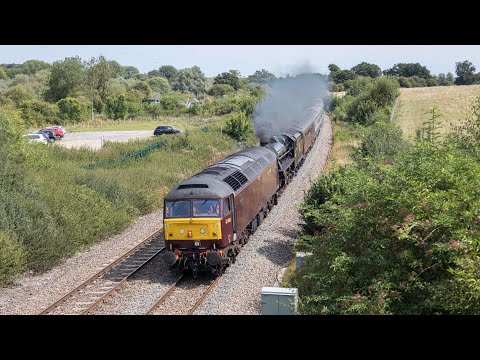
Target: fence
[
  {"x": 394, "y": 108},
  {"x": 132, "y": 156}
]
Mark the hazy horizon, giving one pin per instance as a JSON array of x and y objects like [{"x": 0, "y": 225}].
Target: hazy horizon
[{"x": 278, "y": 59}]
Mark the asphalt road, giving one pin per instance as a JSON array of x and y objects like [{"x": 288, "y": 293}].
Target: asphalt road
[{"x": 93, "y": 139}]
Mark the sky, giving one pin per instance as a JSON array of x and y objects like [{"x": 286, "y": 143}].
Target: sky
[{"x": 278, "y": 59}]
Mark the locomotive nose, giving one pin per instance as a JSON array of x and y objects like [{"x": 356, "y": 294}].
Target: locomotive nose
[{"x": 170, "y": 258}]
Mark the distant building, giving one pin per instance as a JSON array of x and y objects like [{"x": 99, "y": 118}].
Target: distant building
[
  {"x": 152, "y": 101},
  {"x": 191, "y": 101}
]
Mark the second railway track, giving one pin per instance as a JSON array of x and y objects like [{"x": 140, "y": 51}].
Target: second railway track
[
  {"x": 85, "y": 297},
  {"x": 184, "y": 296}
]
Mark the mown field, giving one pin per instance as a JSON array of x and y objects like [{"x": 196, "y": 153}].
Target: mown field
[{"x": 454, "y": 102}]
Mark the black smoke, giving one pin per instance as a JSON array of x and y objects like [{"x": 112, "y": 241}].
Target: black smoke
[{"x": 287, "y": 100}]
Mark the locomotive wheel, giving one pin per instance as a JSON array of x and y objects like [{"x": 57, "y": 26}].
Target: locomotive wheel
[
  {"x": 254, "y": 226},
  {"x": 260, "y": 218}
]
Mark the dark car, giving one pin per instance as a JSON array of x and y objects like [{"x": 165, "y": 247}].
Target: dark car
[
  {"x": 49, "y": 134},
  {"x": 166, "y": 130}
]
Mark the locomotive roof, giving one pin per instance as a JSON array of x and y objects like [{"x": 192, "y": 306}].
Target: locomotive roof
[{"x": 226, "y": 176}]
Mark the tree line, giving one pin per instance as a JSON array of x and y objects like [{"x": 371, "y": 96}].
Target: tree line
[
  {"x": 73, "y": 90},
  {"x": 407, "y": 74}
]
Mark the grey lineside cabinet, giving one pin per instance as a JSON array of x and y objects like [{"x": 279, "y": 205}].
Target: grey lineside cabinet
[{"x": 279, "y": 301}]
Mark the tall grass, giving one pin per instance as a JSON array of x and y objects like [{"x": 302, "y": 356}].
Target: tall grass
[{"x": 51, "y": 207}]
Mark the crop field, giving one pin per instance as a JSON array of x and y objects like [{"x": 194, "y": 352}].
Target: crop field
[{"x": 454, "y": 102}]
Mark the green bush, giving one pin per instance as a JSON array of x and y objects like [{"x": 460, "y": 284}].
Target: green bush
[
  {"x": 173, "y": 101},
  {"x": 400, "y": 238},
  {"x": 381, "y": 143},
  {"x": 220, "y": 90},
  {"x": 239, "y": 126},
  {"x": 71, "y": 110},
  {"x": 356, "y": 86},
  {"x": 341, "y": 106},
  {"x": 12, "y": 257}
]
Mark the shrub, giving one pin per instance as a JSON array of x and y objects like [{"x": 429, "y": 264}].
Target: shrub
[
  {"x": 239, "y": 126},
  {"x": 381, "y": 143},
  {"x": 393, "y": 239},
  {"x": 220, "y": 90},
  {"x": 70, "y": 110}
]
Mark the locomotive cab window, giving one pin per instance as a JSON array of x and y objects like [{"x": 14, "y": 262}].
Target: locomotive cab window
[
  {"x": 206, "y": 208},
  {"x": 178, "y": 208},
  {"x": 226, "y": 206}
]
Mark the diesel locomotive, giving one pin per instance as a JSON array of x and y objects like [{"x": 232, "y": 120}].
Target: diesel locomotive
[{"x": 209, "y": 217}]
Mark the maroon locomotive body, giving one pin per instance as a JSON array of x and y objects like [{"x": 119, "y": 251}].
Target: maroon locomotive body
[{"x": 208, "y": 217}]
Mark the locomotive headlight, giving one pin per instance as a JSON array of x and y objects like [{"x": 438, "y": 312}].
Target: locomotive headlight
[
  {"x": 202, "y": 231},
  {"x": 182, "y": 231},
  {"x": 197, "y": 243}
]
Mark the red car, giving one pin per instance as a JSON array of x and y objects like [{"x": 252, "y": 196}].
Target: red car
[{"x": 56, "y": 131}]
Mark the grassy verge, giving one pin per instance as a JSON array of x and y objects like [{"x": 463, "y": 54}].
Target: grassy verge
[{"x": 52, "y": 207}]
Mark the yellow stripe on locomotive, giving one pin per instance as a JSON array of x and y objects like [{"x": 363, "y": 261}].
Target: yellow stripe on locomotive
[{"x": 192, "y": 229}]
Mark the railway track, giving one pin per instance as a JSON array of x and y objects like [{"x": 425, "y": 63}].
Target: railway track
[
  {"x": 84, "y": 298},
  {"x": 184, "y": 296}
]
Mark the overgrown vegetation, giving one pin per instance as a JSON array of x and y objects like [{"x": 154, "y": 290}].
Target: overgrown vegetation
[
  {"x": 51, "y": 207},
  {"x": 398, "y": 231}
]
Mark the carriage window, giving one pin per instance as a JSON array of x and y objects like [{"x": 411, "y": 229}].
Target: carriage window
[
  {"x": 226, "y": 206},
  {"x": 179, "y": 208},
  {"x": 207, "y": 207}
]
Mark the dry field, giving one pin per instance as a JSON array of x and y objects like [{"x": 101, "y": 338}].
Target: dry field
[{"x": 454, "y": 102}]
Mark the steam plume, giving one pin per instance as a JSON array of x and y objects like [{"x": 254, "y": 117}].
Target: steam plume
[{"x": 286, "y": 103}]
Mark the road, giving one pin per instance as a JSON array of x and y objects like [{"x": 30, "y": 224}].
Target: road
[{"x": 93, "y": 139}]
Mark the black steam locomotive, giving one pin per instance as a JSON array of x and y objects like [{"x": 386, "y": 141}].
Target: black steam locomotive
[{"x": 208, "y": 217}]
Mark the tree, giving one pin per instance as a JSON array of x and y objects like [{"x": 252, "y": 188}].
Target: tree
[
  {"x": 154, "y": 73},
  {"x": 169, "y": 72},
  {"x": 239, "y": 126},
  {"x": 450, "y": 78},
  {"x": 465, "y": 73},
  {"x": 220, "y": 90},
  {"x": 117, "y": 69},
  {"x": 432, "y": 81},
  {"x": 356, "y": 86},
  {"x": 262, "y": 77},
  {"x": 229, "y": 78},
  {"x": 408, "y": 70},
  {"x": 333, "y": 68},
  {"x": 159, "y": 85},
  {"x": 441, "y": 79},
  {"x": 130, "y": 71},
  {"x": 144, "y": 88},
  {"x": 366, "y": 69},
  {"x": 190, "y": 80},
  {"x": 30, "y": 67},
  {"x": 70, "y": 109},
  {"x": 67, "y": 78},
  {"x": 19, "y": 94},
  {"x": 3, "y": 74},
  {"x": 116, "y": 107},
  {"x": 99, "y": 73},
  {"x": 341, "y": 76}
]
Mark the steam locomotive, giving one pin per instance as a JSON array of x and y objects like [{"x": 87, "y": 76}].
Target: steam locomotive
[{"x": 208, "y": 217}]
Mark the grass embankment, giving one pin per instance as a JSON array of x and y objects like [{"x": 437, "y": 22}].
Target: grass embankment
[
  {"x": 454, "y": 102},
  {"x": 53, "y": 208}
]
